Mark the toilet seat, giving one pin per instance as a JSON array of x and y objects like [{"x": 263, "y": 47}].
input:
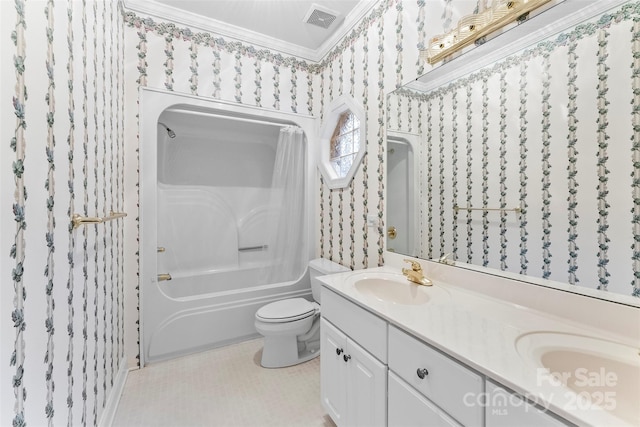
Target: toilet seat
[{"x": 288, "y": 310}]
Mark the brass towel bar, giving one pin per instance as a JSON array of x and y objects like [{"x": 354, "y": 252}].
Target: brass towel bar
[
  {"x": 79, "y": 220},
  {"x": 469, "y": 208}
]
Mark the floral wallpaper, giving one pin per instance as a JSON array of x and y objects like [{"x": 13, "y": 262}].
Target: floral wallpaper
[
  {"x": 75, "y": 67},
  {"x": 62, "y": 153},
  {"x": 551, "y": 131}
]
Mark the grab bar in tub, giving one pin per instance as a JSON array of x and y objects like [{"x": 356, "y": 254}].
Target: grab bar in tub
[
  {"x": 77, "y": 220},
  {"x": 253, "y": 248}
]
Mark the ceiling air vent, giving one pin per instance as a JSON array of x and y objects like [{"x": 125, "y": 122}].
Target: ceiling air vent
[{"x": 320, "y": 16}]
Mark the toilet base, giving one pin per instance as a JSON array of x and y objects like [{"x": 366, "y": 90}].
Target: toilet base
[{"x": 281, "y": 351}]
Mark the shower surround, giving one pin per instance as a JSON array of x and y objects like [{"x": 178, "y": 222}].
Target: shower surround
[{"x": 225, "y": 209}]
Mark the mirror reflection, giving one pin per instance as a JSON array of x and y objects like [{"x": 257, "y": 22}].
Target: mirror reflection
[
  {"x": 529, "y": 164},
  {"x": 402, "y": 185}
]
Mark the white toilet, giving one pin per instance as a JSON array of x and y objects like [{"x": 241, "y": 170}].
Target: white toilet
[{"x": 291, "y": 327}]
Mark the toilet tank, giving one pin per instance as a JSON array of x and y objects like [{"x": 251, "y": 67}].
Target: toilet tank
[{"x": 322, "y": 267}]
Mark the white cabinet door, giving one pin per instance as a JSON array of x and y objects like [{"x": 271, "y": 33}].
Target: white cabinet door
[
  {"x": 333, "y": 372},
  {"x": 505, "y": 409},
  {"x": 366, "y": 388},
  {"x": 353, "y": 383}
]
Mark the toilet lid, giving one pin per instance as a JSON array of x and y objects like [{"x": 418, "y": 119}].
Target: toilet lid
[{"x": 287, "y": 310}]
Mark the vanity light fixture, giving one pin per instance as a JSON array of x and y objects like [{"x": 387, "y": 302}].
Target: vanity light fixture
[{"x": 473, "y": 27}]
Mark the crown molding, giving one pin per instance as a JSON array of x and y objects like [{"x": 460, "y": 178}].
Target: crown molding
[
  {"x": 352, "y": 19},
  {"x": 194, "y": 21}
]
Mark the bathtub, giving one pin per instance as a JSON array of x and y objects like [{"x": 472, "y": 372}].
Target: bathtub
[{"x": 203, "y": 216}]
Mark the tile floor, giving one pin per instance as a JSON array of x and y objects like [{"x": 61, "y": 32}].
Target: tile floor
[{"x": 223, "y": 387}]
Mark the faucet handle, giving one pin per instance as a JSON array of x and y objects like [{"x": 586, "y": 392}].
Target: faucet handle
[
  {"x": 444, "y": 259},
  {"x": 415, "y": 266}
]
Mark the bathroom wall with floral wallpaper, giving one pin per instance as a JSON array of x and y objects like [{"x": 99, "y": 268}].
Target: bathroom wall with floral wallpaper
[
  {"x": 380, "y": 54},
  {"x": 553, "y": 131},
  {"x": 62, "y": 152},
  {"x": 377, "y": 56},
  {"x": 71, "y": 73}
]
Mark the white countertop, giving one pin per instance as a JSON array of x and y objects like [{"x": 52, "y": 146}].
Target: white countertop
[{"x": 481, "y": 331}]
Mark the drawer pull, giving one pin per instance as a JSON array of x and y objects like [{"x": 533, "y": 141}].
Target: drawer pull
[
  {"x": 422, "y": 372},
  {"x": 346, "y": 358},
  {"x": 339, "y": 351}
]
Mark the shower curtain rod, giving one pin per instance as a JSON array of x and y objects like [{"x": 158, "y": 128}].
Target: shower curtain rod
[{"x": 241, "y": 119}]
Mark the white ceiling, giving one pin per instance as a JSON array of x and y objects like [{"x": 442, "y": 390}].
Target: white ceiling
[{"x": 274, "y": 24}]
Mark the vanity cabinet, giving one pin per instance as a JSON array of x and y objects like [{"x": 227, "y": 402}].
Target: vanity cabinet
[
  {"x": 353, "y": 370},
  {"x": 443, "y": 382},
  {"x": 375, "y": 374}
]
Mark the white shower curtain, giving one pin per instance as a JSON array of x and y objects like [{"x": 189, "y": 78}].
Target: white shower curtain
[{"x": 287, "y": 245}]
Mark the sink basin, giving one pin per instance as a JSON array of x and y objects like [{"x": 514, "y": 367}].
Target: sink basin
[
  {"x": 600, "y": 372},
  {"x": 394, "y": 288}
]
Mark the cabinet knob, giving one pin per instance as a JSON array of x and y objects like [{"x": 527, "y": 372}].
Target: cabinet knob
[
  {"x": 339, "y": 351},
  {"x": 422, "y": 372},
  {"x": 346, "y": 357}
]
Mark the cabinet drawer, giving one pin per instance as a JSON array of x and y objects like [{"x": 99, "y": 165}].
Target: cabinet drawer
[
  {"x": 365, "y": 328},
  {"x": 409, "y": 408},
  {"x": 449, "y": 384}
]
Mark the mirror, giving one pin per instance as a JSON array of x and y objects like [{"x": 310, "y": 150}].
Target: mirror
[
  {"x": 526, "y": 157},
  {"x": 402, "y": 185}
]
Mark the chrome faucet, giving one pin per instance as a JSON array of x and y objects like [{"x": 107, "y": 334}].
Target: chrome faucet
[
  {"x": 415, "y": 274},
  {"x": 444, "y": 259}
]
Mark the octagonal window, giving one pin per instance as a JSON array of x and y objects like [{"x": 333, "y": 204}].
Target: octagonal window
[
  {"x": 345, "y": 143},
  {"x": 341, "y": 142}
]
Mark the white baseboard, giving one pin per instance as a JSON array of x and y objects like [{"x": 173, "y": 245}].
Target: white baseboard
[{"x": 109, "y": 411}]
